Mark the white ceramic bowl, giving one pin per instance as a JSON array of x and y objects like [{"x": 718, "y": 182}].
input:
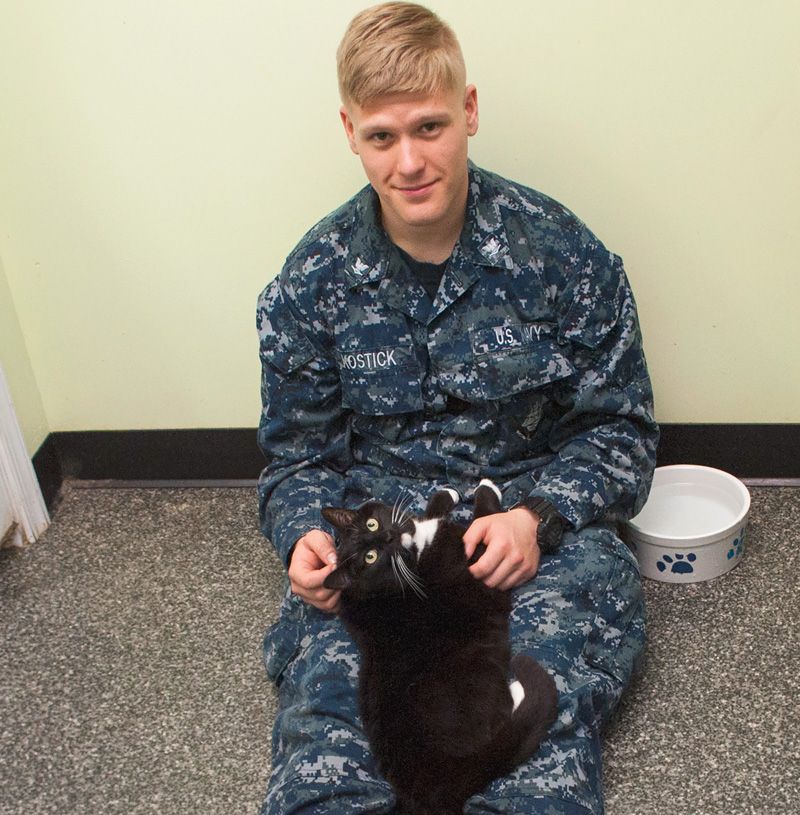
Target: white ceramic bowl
[{"x": 693, "y": 525}]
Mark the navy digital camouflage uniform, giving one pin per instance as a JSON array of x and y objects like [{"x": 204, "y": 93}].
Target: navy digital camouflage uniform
[{"x": 527, "y": 368}]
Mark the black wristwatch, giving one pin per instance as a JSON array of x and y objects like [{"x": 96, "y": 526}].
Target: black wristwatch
[{"x": 551, "y": 523}]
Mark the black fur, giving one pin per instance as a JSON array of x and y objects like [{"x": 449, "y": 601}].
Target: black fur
[{"x": 436, "y": 661}]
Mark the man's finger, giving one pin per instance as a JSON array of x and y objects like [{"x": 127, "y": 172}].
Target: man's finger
[
  {"x": 474, "y": 535},
  {"x": 321, "y": 543},
  {"x": 486, "y": 563},
  {"x": 329, "y": 603},
  {"x": 312, "y": 579},
  {"x": 500, "y": 576}
]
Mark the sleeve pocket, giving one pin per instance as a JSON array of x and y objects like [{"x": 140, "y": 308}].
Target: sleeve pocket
[
  {"x": 287, "y": 352},
  {"x": 596, "y": 303}
]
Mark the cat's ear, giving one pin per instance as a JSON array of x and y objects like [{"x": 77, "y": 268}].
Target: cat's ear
[
  {"x": 337, "y": 580},
  {"x": 338, "y": 517}
]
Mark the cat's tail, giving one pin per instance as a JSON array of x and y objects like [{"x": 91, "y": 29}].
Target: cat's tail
[{"x": 534, "y": 711}]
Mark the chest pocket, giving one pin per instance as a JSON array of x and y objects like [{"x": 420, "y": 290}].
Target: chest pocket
[
  {"x": 381, "y": 381},
  {"x": 504, "y": 374},
  {"x": 502, "y": 363}
]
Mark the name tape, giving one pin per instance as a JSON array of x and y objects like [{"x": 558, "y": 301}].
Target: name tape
[
  {"x": 379, "y": 360},
  {"x": 498, "y": 338}
]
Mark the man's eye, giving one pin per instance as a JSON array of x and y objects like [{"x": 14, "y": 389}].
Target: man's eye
[
  {"x": 430, "y": 127},
  {"x": 371, "y": 556},
  {"x": 372, "y": 525},
  {"x": 380, "y": 138}
]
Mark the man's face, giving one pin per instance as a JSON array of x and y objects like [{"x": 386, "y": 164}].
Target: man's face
[{"x": 414, "y": 152}]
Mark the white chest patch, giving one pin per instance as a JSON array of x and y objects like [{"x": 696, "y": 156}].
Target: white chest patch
[{"x": 424, "y": 533}]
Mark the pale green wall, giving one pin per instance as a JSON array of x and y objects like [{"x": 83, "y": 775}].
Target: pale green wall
[
  {"x": 159, "y": 159},
  {"x": 16, "y": 365}
]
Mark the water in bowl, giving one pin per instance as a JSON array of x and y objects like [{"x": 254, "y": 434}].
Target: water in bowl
[{"x": 685, "y": 510}]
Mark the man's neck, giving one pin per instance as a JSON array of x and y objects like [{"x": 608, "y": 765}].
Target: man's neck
[
  {"x": 428, "y": 249},
  {"x": 430, "y": 244}
]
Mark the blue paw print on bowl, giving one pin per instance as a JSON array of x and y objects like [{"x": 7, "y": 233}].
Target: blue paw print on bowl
[
  {"x": 737, "y": 547},
  {"x": 677, "y": 564}
]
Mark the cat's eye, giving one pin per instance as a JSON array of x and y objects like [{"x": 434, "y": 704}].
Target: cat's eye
[
  {"x": 371, "y": 556},
  {"x": 372, "y": 525}
]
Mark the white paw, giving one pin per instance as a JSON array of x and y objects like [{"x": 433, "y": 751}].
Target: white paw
[{"x": 487, "y": 482}]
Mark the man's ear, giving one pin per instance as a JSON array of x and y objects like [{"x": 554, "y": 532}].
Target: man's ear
[
  {"x": 349, "y": 128},
  {"x": 471, "y": 109},
  {"x": 338, "y": 517}
]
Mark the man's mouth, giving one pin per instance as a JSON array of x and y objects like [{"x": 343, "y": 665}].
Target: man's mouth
[{"x": 416, "y": 189}]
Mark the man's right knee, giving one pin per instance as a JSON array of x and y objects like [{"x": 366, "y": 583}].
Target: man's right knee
[
  {"x": 322, "y": 764},
  {"x": 322, "y": 780},
  {"x": 321, "y": 759}
]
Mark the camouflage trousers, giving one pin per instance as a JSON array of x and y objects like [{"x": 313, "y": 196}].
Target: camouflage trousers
[{"x": 582, "y": 617}]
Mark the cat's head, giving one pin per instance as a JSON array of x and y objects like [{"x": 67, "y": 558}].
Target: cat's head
[{"x": 371, "y": 556}]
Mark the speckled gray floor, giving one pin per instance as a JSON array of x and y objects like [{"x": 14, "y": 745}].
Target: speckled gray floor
[
  {"x": 131, "y": 681},
  {"x": 712, "y": 727}
]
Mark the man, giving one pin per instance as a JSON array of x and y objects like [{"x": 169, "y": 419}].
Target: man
[{"x": 442, "y": 326}]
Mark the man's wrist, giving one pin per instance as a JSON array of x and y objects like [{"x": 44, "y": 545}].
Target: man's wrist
[{"x": 550, "y": 528}]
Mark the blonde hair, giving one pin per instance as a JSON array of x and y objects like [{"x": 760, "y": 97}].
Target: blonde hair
[{"x": 397, "y": 48}]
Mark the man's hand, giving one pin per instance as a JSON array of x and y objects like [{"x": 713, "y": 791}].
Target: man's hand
[
  {"x": 512, "y": 553},
  {"x": 313, "y": 559}
]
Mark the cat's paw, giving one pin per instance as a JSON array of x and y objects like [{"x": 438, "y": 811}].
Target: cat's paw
[{"x": 487, "y": 482}]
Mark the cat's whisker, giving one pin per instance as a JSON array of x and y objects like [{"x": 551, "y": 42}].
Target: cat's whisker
[
  {"x": 340, "y": 563},
  {"x": 403, "y": 508},
  {"x": 397, "y": 576},
  {"x": 418, "y": 590},
  {"x": 404, "y": 514},
  {"x": 414, "y": 583},
  {"x": 411, "y": 576},
  {"x": 408, "y": 499},
  {"x": 395, "y": 508}
]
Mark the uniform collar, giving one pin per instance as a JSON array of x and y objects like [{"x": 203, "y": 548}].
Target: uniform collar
[
  {"x": 370, "y": 247},
  {"x": 483, "y": 239}
]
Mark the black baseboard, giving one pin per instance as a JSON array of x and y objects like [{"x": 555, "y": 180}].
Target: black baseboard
[
  {"x": 770, "y": 451},
  {"x": 147, "y": 455},
  {"x": 48, "y": 470}
]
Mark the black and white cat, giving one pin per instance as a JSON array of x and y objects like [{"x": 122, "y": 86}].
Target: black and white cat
[{"x": 441, "y": 716}]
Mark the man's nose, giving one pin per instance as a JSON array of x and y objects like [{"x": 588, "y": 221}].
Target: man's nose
[{"x": 410, "y": 159}]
